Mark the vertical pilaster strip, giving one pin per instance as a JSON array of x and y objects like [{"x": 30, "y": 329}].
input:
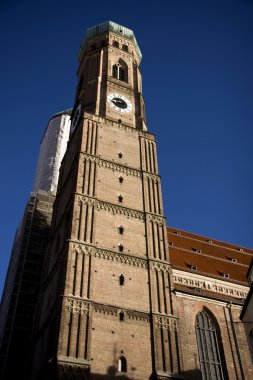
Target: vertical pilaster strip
[{"x": 97, "y": 111}]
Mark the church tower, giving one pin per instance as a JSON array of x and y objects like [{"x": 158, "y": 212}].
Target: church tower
[{"x": 106, "y": 307}]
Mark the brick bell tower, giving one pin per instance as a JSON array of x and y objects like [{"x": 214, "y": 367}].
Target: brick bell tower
[{"x": 106, "y": 307}]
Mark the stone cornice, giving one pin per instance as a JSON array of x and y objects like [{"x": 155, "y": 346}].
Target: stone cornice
[
  {"x": 120, "y": 125},
  {"x": 111, "y": 207},
  {"x": 206, "y": 299},
  {"x": 115, "y": 166},
  {"x": 126, "y": 258},
  {"x": 81, "y": 306},
  {"x": 206, "y": 283},
  {"x": 106, "y": 254},
  {"x": 122, "y": 210}
]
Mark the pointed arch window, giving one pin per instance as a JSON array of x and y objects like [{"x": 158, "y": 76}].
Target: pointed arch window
[
  {"x": 120, "y": 70},
  {"x": 211, "y": 355},
  {"x": 122, "y": 364}
]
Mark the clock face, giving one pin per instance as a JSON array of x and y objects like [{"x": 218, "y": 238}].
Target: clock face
[{"x": 119, "y": 103}]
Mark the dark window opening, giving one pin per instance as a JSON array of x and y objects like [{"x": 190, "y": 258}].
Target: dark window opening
[
  {"x": 121, "y": 179},
  {"x": 121, "y": 315},
  {"x": 125, "y": 47},
  {"x": 121, "y": 247},
  {"x": 115, "y": 44},
  {"x": 120, "y": 155},
  {"x": 121, "y": 230},
  {"x": 122, "y": 364},
  {"x": 121, "y": 279},
  {"x": 120, "y": 198}
]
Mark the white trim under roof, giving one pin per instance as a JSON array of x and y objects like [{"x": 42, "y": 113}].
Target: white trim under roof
[{"x": 193, "y": 280}]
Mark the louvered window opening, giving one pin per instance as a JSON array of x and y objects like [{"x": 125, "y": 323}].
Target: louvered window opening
[{"x": 208, "y": 348}]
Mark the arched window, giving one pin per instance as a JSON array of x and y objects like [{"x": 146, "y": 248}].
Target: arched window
[
  {"x": 120, "y": 70},
  {"x": 122, "y": 364},
  {"x": 120, "y": 198},
  {"x": 125, "y": 47},
  {"x": 211, "y": 356},
  {"x": 121, "y": 247},
  {"x": 115, "y": 44}
]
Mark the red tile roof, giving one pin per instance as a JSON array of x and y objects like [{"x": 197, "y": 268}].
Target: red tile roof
[{"x": 211, "y": 257}]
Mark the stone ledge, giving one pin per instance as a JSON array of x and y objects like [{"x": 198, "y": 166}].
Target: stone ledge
[{"x": 69, "y": 360}]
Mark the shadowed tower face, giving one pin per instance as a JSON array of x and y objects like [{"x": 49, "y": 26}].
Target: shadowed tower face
[{"x": 106, "y": 307}]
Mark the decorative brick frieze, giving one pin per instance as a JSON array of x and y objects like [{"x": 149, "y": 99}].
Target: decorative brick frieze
[
  {"x": 153, "y": 177},
  {"x": 87, "y": 200},
  {"x": 119, "y": 168},
  {"x": 121, "y": 258},
  {"x": 105, "y": 309},
  {"x": 207, "y": 283},
  {"x": 120, "y": 53},
  {"x": 109, "y": 255},
  {"x": 119, "y": 125},
  {"x": 114, "y": 311},
  {"x": 160, "y": 266},
  {"x": 113, "y": 165},
  {"x": 77, "y": 306},
  {"x": 160, "y": 220},
  {"x": 128, "y": 170},
  {"x": 83, "y": 248},
  {"x": 166, "y": 322},
  {"x": 138, "y": 316},
  {"x": 114, "y": 209}
]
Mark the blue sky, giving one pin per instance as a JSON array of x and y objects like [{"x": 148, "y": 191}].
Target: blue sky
[{"x": 197, "y": 84}]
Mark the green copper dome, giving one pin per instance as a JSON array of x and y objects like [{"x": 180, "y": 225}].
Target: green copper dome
[{"x": 110, "y": 26}]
